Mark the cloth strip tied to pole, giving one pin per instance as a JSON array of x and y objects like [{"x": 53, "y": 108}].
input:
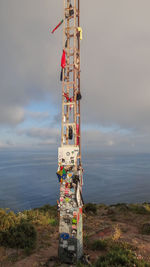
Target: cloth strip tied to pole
[{"x": 57, "y": 26}]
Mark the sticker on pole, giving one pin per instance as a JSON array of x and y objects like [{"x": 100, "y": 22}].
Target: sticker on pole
[{"x": 67, "y": 155}]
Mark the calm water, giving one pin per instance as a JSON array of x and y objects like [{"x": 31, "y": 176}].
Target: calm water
[{"x": 28, "y": 179}]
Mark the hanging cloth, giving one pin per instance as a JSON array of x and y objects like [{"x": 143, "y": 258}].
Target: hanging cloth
[
  {"x": 66, "y": 43},
  {"x": 57, "y": 26},
  {"x": 70, "y": 133},
  {"x": 69, "y": 99},
  {"x": 79, "y": 96},
  {"x": 59, "y": 175},
  {"x": 80, "y": 31},
  {"x": 77, "y": 132},
  {"x": 71, "y": 11},
  {"x": 63, "y": 60},
  {"x": 61, "y": 75}
]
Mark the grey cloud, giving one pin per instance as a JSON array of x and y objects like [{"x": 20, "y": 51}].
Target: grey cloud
[
  {"x": 56, "y": 119},
  {"x": 48, "y": 142},
  {"x": 115, "y": 62},
  {"x": 115, "y": 141},
  {"x": 37, "y": 115},
  {"x": 7, "y": 144},
  {"x": 92, "y": 139},
  {"x": 11, "y": 115},
  {"x": 41, "y": 136},
  {"x": 40, "y": 133},
  {"x": 29, "y": 59}
]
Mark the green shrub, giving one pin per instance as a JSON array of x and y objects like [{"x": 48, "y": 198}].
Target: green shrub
[
  {"x": 53, "y": 222},
  {"x": 40, "y": 217},
  {"x": 118, "y": 257},
  {"x": 145, "y": 229},
  {"x": 86, "y": 241},
  {"x": 139, "y": 209},
  {"x": 7, "y": 219},
  {"x": 122, "y": 207},
  {"x": 51, "y": 210},
  {"x": 124, "y": 245},
  {"x": 23, "y": 235},
  {"x": 99, "y": 245},
  {"x": 147, "y": 207},
  {"x": 90, "y": 207},
  {"x": 80, "y": 264}
]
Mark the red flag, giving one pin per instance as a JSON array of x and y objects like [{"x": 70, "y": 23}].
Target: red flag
[
  {"x": 57, "y": 26},
  {"x": 63, "y": 60},
  {"x": 77, "y": 131}
]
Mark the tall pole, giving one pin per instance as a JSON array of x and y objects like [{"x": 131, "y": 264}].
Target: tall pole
[{"x": 69, "y": 154}]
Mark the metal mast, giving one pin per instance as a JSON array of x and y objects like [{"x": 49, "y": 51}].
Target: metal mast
[{"x": 69, "y": 154}]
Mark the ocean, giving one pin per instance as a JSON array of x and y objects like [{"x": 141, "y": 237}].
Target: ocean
[{"x": 28, "y": 178}]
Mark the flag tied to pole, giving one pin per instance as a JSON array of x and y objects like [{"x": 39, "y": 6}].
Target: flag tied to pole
[
  {"x": 57, "y": 26},
  {"x": 63, "y": 60}
]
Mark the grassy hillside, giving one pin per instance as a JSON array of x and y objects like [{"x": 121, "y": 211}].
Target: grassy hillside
[{"x": 117, "y": 235}]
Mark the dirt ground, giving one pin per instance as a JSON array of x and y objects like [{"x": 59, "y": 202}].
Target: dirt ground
[{"x": 116, "y": 222}]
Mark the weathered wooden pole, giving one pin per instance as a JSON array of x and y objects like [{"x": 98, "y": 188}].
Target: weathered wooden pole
[{"x": 70, "y": 172}]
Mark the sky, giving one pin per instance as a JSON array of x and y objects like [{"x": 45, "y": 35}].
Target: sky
[{"x": 115, "y": 74}]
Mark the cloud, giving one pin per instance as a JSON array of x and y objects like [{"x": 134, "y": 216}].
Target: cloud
[
  {"x": 29, "y": 59},
  {"x": 48, "y": 142},
  {"x": 38, "y": 116},
  {"x": 115, "y": 141},
  {"x": 41, "y": 136},
  {"x": 115, "y": 63},
  {"x": 6, "y": 144},
  {"x": 11, "y": 115}
]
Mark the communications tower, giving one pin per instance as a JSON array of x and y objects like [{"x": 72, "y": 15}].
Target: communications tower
[{"x": 70, "y": 172}]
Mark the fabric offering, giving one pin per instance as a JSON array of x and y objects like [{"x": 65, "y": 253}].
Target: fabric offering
[
  {"x": 77, "y": 131},
  {"x": 70, "y": 133},
  {"x": 79, "y": 96},
  {"x": 80, "y": 31},
  {"x": 66, "y": 43},
  {"x": 69, "y": 99},
  {"x": 61, "y": 75},
  {"x": 63, "y": 60},
  {"x": 57, "y": 26},
  {"x": 71, "y": 11}
]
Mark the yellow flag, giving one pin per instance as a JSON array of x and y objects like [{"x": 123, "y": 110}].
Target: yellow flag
[{"x": 80, "y": 30}]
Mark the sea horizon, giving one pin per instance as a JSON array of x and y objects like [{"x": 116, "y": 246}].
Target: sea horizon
[{"x": 28, "y": 178}]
